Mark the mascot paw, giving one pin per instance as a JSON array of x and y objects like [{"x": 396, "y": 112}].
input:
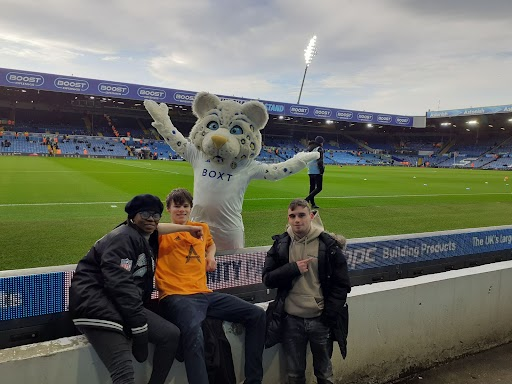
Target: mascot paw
[
  {"x": 306, "y": 157},
  {"x": 159, "y": 112},
  {"x": 163, "y": 130},
  {"x": 160, "y": 115}
]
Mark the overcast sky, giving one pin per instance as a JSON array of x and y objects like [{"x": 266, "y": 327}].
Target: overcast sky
[{"x": 392, "y": 56}]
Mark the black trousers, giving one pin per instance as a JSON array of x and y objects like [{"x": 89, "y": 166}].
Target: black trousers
[
  {"x": 115, "y": 349},
  {"x": 315, "y": 187}
]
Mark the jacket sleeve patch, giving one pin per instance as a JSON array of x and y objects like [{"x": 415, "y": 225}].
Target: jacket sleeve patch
[{"x": 126, "y": 264}]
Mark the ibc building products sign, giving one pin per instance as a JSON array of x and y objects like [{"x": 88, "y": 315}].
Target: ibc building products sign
[
  {"x": 102, "y": 88},
  {"x": 409, "y": 249}
]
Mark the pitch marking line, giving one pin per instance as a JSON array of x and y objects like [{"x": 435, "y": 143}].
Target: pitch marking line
[
  {"x": 270, "y": 198},
  {"x": 137, "y": 166}
]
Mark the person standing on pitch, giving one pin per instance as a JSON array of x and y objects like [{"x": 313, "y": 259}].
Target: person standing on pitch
[
  {"x": 112, "y": 283},
  {"x": 315, "y": 171},
  {"x": 309, "y": 270}
]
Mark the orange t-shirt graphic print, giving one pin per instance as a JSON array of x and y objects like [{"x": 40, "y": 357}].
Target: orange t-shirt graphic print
[{"x": 181, "y": 265}]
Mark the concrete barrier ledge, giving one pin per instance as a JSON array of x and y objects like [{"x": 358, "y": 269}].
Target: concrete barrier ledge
[{"x": 395, "y": 327}]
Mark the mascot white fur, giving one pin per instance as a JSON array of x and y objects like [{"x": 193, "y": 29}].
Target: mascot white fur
[{"x": 221, "y": 147}]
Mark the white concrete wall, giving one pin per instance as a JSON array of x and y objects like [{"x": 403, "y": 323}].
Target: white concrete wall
[
  {"x": 394, "y": 327},
  {"x": 414, "y": 323}
]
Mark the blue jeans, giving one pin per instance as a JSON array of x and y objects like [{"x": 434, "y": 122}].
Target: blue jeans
[
  {"x": 188, "y": 313},
  {"x": 297, "y": 332}
]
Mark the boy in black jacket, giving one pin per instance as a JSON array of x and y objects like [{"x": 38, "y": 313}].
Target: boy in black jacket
[
  {"x": 310, "y": 272},
  {"x": 112, "y": 283}
]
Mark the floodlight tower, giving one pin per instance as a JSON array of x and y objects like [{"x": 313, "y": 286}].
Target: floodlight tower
[{"x": 309, "y": 53}]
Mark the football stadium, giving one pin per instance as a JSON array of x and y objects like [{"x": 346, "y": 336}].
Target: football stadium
[
  {"x": 73, "y": 151},
  {"x": 421, "y": 199}
]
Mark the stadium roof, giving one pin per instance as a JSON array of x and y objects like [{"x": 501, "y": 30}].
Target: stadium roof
[
  {"x": 110, "y": 89},
  {"x": 497, "y": 117}
]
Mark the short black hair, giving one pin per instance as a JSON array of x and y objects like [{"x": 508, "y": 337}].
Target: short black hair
[{"x": 179, "y": 196}]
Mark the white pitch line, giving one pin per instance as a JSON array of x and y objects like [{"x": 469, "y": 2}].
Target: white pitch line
[
  {"x": 136, "y": 166},
  {"x": 96, "y": 172},
  {"x": 269, "y": 198},
  {"x": 389, "y": 196},
  {"x": 53, "y": 204}
]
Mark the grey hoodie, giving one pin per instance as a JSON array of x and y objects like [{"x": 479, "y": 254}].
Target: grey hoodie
[{"x": 305, "y": 299}]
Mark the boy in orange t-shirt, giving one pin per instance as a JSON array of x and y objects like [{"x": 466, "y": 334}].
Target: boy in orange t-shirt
[
  {"x": 186, "y": 300},
  {"x": 175, "y": 277}
]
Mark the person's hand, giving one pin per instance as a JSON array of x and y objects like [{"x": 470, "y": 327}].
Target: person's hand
[
  {"x": 211, "y": 264},
  {"x": 140, "y": 346},
  {"x": 304, "y": 265},
  {"x": 196, "y": 231}
]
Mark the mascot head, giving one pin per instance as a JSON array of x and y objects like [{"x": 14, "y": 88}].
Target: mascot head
[{"x": 226, "y": 131}]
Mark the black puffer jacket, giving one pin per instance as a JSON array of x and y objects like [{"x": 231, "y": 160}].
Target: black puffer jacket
[
  {"x": 279, "y": 273},
  {"x": 112, "y": 282}
]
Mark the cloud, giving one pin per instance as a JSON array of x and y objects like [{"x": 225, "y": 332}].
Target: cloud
[
  {"x": 111, "y": 58},
  {"x": 395, "y": 56}
]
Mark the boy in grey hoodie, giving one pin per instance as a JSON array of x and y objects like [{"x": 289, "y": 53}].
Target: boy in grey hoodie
[{"x": 307, "y": 266}]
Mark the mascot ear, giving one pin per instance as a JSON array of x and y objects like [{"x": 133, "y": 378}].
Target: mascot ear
[
  {"x": 257, "y": 112},
  {"x": 204, "y": 102}
]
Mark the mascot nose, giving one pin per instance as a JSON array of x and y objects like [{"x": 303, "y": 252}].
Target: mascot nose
[{"x": 219, "y": 141}]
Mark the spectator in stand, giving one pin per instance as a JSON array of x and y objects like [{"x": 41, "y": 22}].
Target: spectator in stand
[{"x": 315, "y": 171}]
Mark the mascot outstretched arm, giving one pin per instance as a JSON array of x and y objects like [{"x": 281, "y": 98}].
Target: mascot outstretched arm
[{"x": 222, "y": 147}]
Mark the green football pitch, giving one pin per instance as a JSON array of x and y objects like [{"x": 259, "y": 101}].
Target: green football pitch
[{"x": 53, "y": 209}]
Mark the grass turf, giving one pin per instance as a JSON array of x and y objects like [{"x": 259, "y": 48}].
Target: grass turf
[{"x": 53, "y": 209}]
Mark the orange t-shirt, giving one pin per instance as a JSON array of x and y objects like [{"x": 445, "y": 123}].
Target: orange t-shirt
[{"x": 181, "y": 264}]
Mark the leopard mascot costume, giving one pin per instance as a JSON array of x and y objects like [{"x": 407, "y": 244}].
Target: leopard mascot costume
[{"x": 222, "y": 147}]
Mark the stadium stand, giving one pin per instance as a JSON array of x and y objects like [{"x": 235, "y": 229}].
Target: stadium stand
[{"x": 84, "y": 120}]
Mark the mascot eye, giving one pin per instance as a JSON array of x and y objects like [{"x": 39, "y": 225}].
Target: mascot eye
[
  {"x": 213, "y": 125},
  {"x": 236, "y": 130}
]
